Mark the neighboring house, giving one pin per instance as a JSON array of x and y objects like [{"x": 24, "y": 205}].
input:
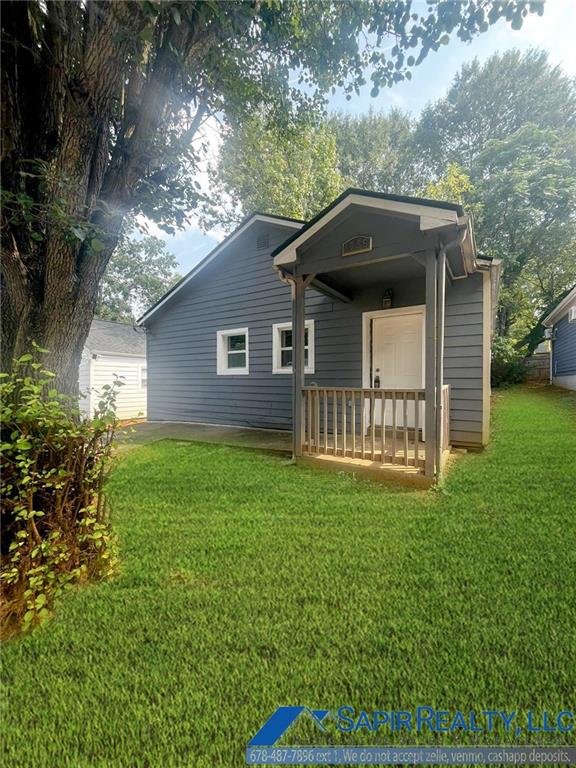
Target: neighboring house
[
  {"x": 114, "y": 348},
  {"x": 562, "y": 324},
  {"x": 384, "y": 307}
]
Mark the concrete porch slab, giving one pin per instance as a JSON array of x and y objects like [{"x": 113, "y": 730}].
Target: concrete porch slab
[{"x": 241, "y": 437}]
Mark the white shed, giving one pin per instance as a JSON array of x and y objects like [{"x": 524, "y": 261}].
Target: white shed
[{"x": 114, "y": 348}]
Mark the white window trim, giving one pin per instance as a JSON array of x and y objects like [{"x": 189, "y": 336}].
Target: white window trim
[
  {"x": 222, "y": 352},
  {"x": 277, "y": 328},
  {"x": 141, "y": 367}
]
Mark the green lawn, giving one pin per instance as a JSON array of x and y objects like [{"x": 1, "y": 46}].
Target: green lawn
[{"x": 247, "y": 583}]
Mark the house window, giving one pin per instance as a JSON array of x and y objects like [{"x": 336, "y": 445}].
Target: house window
[
  {"x": 232, "y": 352},
  {"x": 143, "y": 377},
  {"x": 282, "y": 347}
]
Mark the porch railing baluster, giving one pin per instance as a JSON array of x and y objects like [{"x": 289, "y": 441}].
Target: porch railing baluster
[
  {"x": 382, "y": 425},
  {"x": 344, "y": 425},
  {"x": 353, "y": 421},
  {"x": 317, "y": 421},
  {"x": 363, "y": 423},
  {"x": 384, "y": 452},
  {"x": 325, "y": 401},
  {"x": 335, "y": 423},
  {"x": 393, "y": 427},
  {"x": 372, "y": 435},
  {"x": 416, "y": 427},
  {"x": 405, "y": 418}
]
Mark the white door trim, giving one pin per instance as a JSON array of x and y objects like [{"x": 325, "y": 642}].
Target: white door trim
[{"x": 416, "y": 309}]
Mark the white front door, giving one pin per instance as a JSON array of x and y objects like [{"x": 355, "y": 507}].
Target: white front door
[{"x": 396, "y": 362}]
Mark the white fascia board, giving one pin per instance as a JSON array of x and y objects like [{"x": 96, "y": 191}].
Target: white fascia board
[
  {"x": 436, "y": 222},
  {"x": 216, "y": 252},
  {"x": 285, "y": 257},
  {"x": 434, "y": 217},
  {"x": 106, "y": 352},
  {"x": 561, "y": 309}
]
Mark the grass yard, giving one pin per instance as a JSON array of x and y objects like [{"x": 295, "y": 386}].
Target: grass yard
[{"x": 247, "y": 583}]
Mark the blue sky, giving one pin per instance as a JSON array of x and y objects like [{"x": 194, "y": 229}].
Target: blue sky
[{"x": 555, "y": 32}]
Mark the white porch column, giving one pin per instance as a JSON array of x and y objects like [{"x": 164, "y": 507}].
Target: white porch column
[
  {"x": 441, "y": 302},
  {"x": 430, "y": 363},
  {"x": 298, "y": 325}
]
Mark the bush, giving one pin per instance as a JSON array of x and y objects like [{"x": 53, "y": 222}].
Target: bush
[
  {"x": 507, "y": 363},
  {"x": 54, "y": 517}
]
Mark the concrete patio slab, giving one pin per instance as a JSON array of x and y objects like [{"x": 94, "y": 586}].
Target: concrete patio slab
[{"x": 262, "y": 439}]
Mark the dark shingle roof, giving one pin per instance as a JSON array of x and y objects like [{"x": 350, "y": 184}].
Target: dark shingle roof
[{"x": 116, "y": 338}]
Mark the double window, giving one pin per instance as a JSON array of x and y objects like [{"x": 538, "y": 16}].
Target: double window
[
  {"x": 232, "y": 352},
  {"x": 282, "y": 345}
]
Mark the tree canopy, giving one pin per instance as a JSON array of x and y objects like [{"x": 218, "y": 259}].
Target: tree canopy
[
  {"x": 527, "y": 185},
  {"x": 491, "y": 101},
  {"x": 138, "y": 274},
  {"x": 103, "y": 101},
  {"x": 290, "y": 171}
]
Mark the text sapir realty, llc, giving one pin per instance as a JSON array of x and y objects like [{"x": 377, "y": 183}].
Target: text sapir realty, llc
[{"x": 428, "y": 719}]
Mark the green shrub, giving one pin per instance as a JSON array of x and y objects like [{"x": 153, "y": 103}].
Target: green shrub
[
  {"x": 507, "y": 363},
  {"x": 54, "y": 517}
]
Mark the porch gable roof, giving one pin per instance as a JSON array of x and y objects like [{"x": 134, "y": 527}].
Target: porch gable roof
[{"x": 432, "y": 215}]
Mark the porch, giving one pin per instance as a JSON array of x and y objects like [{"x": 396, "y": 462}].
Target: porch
[{"x": 390, "y": 259}]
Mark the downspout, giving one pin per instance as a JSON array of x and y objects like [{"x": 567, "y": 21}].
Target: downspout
[
  {"x": 282, "y": 276},
  {"x": 440, "y": 308},
  {"x": 459, "y": 240},
  {"x": 296, "y": 379},
  {"x": 440, "y": 313}
]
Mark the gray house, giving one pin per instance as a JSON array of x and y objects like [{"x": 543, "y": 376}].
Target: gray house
[
  {"x": 561, "y": 325},
  {"x": 367, "y": 330}
]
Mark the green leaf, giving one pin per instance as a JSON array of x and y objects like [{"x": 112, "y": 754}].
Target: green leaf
[
  {"x": 96, "y": 245},
  {"x": 147, "y": 34},
  {"x": 80, "y": 233}
]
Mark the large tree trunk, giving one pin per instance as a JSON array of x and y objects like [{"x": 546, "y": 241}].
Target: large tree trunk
[
  {"x": 55, "y": 318},
  {"x": 61, "y": 335},
  {"x": 53, "y": 261}
]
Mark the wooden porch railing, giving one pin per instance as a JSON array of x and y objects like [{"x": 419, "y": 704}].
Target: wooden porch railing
[
  {"x": 374, "y": 424},
  {"x": 365, "y": 424}
]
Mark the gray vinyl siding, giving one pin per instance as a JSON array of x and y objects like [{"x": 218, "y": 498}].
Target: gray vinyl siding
[
  {"x": 564, "y": 348},
  {"x": 240, "y": 289},
  {"x": 463, "y": 358}
]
